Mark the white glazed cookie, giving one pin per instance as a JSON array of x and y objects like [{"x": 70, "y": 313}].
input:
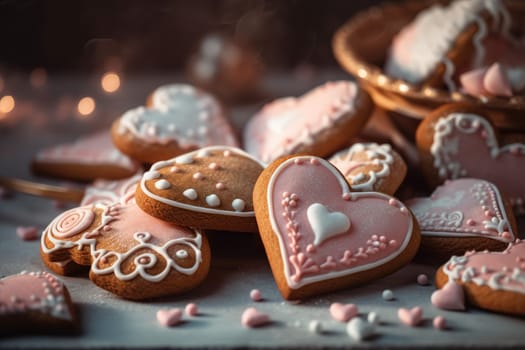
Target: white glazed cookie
[{"x": 181, "y": 118}]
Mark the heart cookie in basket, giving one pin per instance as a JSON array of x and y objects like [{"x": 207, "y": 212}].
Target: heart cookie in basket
[
  {"x": 320, "y": 122},
  {"x": 320, "y": 236},
  {"x": 128, "y": 252},
  {"x": 463, "y": 214},
  {"x": 181, "y": 118},
  {"x": 459, "y": 140}
]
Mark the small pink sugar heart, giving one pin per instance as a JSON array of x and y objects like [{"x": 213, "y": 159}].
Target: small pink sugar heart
[
  {"x": 343, "y": 312},
  {"x": 410, "y": 317},
  {"x": 450, "y": 297},
  {"x": 169, "y": 317},
  {"x": 27, "y": 233},
  {"x": 472, "y": 81},
  {"x": 251, "y": 317},
  {"x": 496, "y": 81}
]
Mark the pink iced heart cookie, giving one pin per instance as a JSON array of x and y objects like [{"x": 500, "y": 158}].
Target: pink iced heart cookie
[
  {"x": 210, "y": 188},
  {"x": 491, "y": 280},
  {"x": 319, "y": 122},
  {"x": 319, "y": 236},
  {"x": 343, "y": 312},
  {"x": 34, "y": 302},
  {"x": 450, "y": 297},
  {"x": 371, "y": 167},
  {"x": 180, "y": 118},
  {"x": 464, "y": 214},
  {"x": 458, "y": 140},
  {"x": 128, "y": 252},
  {"x": 88, "y": 158},
  {"x": 411, "y": 317}
]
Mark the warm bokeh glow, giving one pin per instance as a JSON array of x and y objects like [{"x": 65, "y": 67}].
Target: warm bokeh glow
[
  {"x": 110, "y": 82},
  {"x": 38, "y": 77},
  {"x": 86, "y": 106},
  {"x": 7, "y": 104}
]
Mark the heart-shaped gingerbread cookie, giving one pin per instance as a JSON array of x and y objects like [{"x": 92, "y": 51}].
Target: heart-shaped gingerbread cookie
[
  {"x": 371, "y": 167},
  {"x": 462, "y": 215},
  {"x": 210, "y": 188},
  {"x": 33, "y": 302},
  {"x": 129, "y": 252},
  {"x": 491, "y": 280},
  {"x": 320, "y": 122},
  {"x": 319, "y": 236},
  {"x": 181, "y": 118},
  {"x": 458, "y": 140}
]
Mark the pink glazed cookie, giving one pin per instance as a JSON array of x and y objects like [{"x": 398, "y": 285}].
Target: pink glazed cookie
[
  {"x": 319, "y": 236},
  {"x": 320, "y": 122},
  {"x": 459, "y": 140},
  {"x": 371, "y": 167},
  {"x": 210, "y": 188},
  {"x": 129, "y": 252},
  {"x": 179, "y": 119},
  {"x": 88, "y": 158},
  {"x": 34, "y": 302},
  {"x": 464, "y": 214},
  {"x": 108, "y": 192},
  {"x": 491, "y": 280}
]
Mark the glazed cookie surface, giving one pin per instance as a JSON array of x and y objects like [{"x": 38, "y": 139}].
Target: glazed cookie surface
[
  {"x": 108, "y": 192},
  {"x": 319, "y": 236},
  {"x": 459, "y": 140},
  {"x": 320, "y": 122},
  {"x": 210, "y": 188},
  {"x": 33, "y": 302},
  {"x": 491, "y": 280},
  {"x": 88, "y": 158},
  {"x": 371, "y": 167},
  {"x": 128, "y": 252},
  {"x": 464, "y": 214},
  {"x": 181, "y": 118}
]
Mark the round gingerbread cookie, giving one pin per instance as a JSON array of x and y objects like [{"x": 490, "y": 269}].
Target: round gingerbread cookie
[
  {"x": 320, "y": 122},
  {"x": 491, "y": 280},
  {"x": 210, "y": 188},
  {"x": 319, "y": 236},
  {"x": 444, "y": 41},
  {"x": 88, "y": 158},
  {"x": 464, "y": 214},
  {"x": 35, "y": 302},
  {"x": 180, "y": 118},
  {"x": 129, "y": 252},
  {"x": 459, "y": 140},
  {"x": 371, "y": 167}
]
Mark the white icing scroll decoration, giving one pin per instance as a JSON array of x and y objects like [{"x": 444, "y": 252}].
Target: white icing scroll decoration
[{"x": 326, "y": 224}]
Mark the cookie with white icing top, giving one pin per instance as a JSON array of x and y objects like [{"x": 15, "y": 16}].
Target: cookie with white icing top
[
  {"x": 35, "y": 302},
  {"x": 179, "y": 119},
  {"x": 88, "y": 158},
  {"x": 371, "y": 167},
  {"x": 320, "y": 122},
  {"x": 444, "y": 41},
  {"x": 491, "y": 280},
  {"x": 210, "y": 188},
  {"x": 127, "y": 251},
  {"x": 459, "y": 140},
  {"x": 319, "y": 236},
  {"x": 464, "y": 214}
]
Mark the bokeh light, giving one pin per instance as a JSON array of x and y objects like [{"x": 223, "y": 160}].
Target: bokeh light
[
  {"x": 7, "y": 104},
  {"x": 86, "y": 106},
  {"x": 110, "y": 82}
]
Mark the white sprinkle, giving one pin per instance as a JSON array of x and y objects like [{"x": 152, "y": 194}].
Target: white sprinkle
[
  {"x": 213, "y": 200},
  {"x": 162, "y": 184},
  {"x": 184, "y": 159},
  {"x": 373, "y": 317},
  {"x": 315, "y": 327},
  {"x": 388, "y": 295},
  {"x": 190, "y": 193},
  {"x": 150, "y": 175},
  {"x": 238, "y": 204}
]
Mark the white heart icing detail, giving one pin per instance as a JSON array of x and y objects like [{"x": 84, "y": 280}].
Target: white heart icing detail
[{"x": 326, "y": 224}]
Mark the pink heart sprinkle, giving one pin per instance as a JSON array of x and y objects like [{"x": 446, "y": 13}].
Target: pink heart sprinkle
[
  {"x": 343, "y": 312},
  {"x": 27, "y": 233},
  {"x": 251, "y": 318},
  {"x": 472, "y": 82},
  {"x": 169, "y": 317},
  {"x": 410, "y": 317},
  {"x": 450, "y": 297},
  {"x": 496, "y": 81}
]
